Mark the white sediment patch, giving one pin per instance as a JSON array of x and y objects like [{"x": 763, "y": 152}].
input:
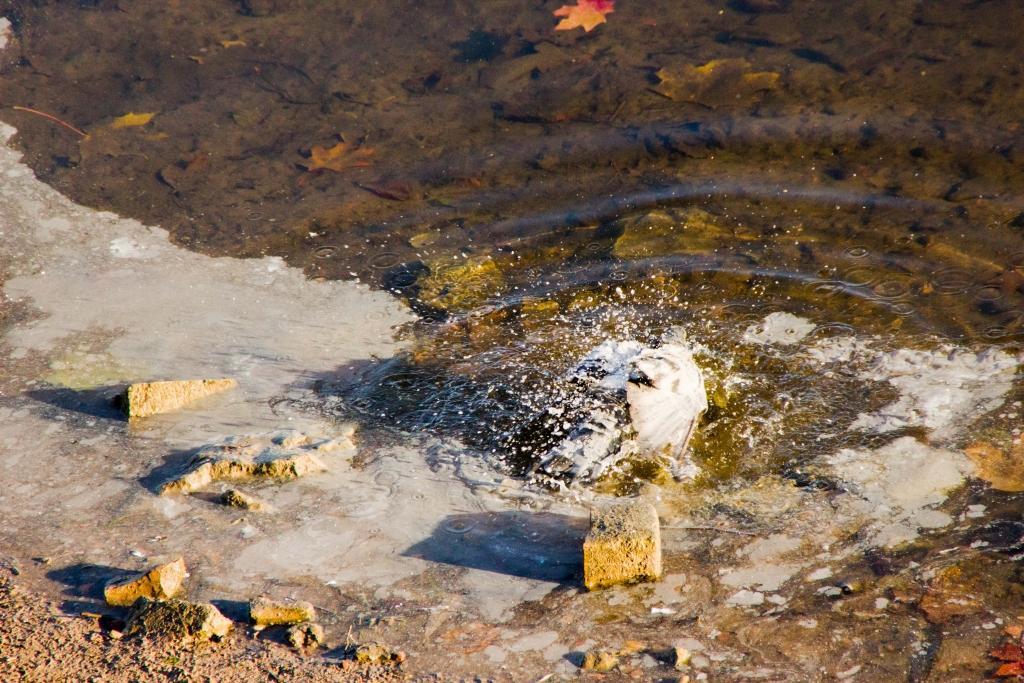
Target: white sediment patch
[
  {"x": 5, "y": 32},
  {"x": 157, "y": 311},
  {"x": 940, "y": 389},
  {"x": 899, "y": 484},
  {"x": 779, "y": 328}
]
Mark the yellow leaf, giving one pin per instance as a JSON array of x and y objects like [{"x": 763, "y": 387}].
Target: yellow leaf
[
  {"x": 132, "y": 119},
  {"x": 338, "y": 158}
]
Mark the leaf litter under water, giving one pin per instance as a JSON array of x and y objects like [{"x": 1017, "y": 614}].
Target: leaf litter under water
[{"x": 585, "y": 14}]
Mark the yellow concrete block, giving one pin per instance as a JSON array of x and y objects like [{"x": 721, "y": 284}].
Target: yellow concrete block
[{"x": 623, "y": 546}]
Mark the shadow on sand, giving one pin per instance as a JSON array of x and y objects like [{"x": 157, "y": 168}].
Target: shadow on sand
[{"x": 542, "y": 545}]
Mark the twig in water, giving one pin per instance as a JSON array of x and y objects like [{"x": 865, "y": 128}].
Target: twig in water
[
  {"x": 712, "y": 528},
  {"x": 51, "y": 117}
]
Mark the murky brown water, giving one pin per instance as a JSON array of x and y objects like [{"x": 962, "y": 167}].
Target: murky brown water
[{"x": 531, "y": 193}]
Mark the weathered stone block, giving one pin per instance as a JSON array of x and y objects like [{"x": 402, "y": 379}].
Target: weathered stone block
[
  {"x": 160, "y": 583},
  {"x": 177, "y": 620},
  {"x": 623, "y": 546},
  {"x": 267, "y": 612},
  {"x": 150, "y": 398}
]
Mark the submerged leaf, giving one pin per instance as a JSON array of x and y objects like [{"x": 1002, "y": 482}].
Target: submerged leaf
[
  {"x": 1011, "y": 669},
  {"x": 719, "y": 82},
  {"x": 338, "y": 158},
  {"x": 586, "y": 14},
  {"x": 1008, "y": 652},
  {"x": 132, "y": 119}
]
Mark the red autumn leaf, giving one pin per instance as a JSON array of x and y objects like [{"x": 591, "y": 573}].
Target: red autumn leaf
[
  {"x": 1011, "y": 669},
  {"x": 585, "y": 14},
  {"x": 1008, "y": 652}
]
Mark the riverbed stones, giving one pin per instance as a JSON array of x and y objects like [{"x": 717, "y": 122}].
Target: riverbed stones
[
  {"x": 152, "y": 398},
  {"x": 623, "y": 545},
  {"x": 266, "y": 612},
  {"x": 177, "y": 620},
  {"x": 160, "y": 583},
  {"x": 280, "y": 455}
]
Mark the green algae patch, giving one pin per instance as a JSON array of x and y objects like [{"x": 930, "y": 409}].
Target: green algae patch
[{"x": 82, "y": 371}]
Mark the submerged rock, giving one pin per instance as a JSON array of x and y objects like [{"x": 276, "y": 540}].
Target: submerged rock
[
  {"x": 151, "y": 398},
  {"x": 460, "y": 286},
  {"x": 266, "y": 612},
  {"x": 625, "y": 400},
  {"x": 658, "y": 234},
  {"x": 281, "y": 455},
  {"x": 177, "y": 620},
  {"x": 160, "y": 583},
  {"x": 623, "y": 546}
]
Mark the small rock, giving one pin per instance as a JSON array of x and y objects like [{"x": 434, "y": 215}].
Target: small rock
[
  {"x": 151, "y": 398},
  {"x": 682, "y": 658},
  {"x": 375, "y": 654},
  {"x": 267, "y": 612},
  {"x": 237, "y": 499},
  {"x": 623, "y": 546},
  {"x": 423, "y": 239},
  {"x": 306, "y": 636},
  {"x": 600, "y": 661},
  {"x": 160, "y": 583},
  {"x": 280, "y": 455},
  {"x": 177, "y": 620}
]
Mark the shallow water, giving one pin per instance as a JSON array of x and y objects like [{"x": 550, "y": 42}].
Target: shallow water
[{"x": 528, "y": 194}]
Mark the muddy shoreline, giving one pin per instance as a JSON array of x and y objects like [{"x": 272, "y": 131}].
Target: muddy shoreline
[{"x": 841, "y": 242}]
